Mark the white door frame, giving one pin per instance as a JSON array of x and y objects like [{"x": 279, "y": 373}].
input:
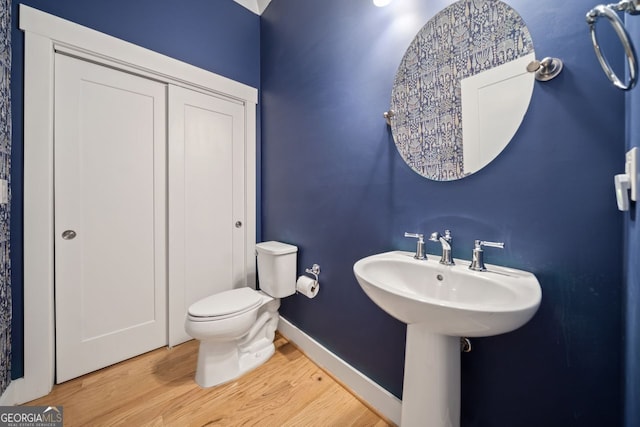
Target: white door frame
[{"x": 45, "y": 34}]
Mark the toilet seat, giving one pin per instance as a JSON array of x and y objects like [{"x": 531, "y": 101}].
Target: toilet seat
[{"x": 224, "y": 305}]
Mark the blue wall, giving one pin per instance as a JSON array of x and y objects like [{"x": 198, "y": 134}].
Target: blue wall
[
  {"x": 219, "y": 36},
  {"x": 334, "y": 184},
  {"x": 631, "y": 270}
]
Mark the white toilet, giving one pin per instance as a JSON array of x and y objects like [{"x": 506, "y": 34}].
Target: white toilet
[{"x": 236, "y": 328}]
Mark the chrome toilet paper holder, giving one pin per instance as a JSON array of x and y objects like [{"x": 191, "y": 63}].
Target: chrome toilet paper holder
[
  {"x": 315, "y": 270},
  {"x": 309, "y": 286}
]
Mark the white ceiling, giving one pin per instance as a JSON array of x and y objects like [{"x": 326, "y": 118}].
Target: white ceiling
[{"x": 256, "y": 6}]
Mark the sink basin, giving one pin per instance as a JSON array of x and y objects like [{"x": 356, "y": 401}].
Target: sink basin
[
  {"x": 449, "y": 300},
  {"x": 440, "y": 303}
]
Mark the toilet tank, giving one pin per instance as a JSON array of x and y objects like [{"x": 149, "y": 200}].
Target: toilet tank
[{"x": 277, "y": 268}]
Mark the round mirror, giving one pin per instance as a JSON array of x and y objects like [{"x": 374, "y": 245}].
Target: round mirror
[{"x": 462, "y": 89}]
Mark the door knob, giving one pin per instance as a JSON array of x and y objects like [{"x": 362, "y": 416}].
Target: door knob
[{"x": 68, "y": 235}]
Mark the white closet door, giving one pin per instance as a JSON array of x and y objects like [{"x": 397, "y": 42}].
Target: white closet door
[
  {"x": 110, "y": 191},
  {"x": 206, "y": 201}
]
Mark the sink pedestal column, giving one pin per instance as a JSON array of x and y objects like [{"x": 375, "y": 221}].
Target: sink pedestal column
[{"x": 431, "y": 390}]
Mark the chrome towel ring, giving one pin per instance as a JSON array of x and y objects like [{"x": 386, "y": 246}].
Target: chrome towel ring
[{"x": 609, "y": 11}]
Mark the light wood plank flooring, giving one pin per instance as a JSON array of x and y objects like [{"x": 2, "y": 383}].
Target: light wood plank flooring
[{"x": 157, "y": 389}]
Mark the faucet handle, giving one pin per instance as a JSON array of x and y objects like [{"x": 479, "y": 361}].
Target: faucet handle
[
  {"x": 418, "y": 236},
  {"x": 420, "y": 244},
  {"x": 480, "y": 243},
  {"x": 477, "y": 260}
]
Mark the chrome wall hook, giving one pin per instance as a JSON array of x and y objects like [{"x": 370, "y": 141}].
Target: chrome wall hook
[
  {"x": 388, "y": 115},
  {"x": 546, "y": 69}
]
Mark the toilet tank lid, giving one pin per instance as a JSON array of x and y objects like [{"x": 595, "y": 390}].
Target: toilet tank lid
[{"x": 275, "y": 248}]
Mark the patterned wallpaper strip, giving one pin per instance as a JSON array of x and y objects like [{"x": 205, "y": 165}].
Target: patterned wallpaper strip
[{"x": 5, "y": 165}]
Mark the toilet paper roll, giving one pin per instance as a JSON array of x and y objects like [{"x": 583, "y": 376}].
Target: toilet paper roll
[{"x": 307, "y": 286}]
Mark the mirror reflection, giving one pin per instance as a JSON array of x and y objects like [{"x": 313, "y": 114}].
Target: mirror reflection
[{"x": 462, "y": 89}]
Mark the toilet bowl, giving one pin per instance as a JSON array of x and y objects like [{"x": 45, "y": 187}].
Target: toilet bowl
[{"x": 236, "y": 327}]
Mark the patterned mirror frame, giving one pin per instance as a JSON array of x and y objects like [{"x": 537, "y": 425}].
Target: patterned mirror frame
[{"x": 462, "y": 40}]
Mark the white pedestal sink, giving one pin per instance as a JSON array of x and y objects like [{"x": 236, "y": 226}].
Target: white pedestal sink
[{"x": 440, "y": 304}]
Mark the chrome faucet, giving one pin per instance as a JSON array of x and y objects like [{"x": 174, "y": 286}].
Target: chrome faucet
[
  {"x": 445, "y": 241},
  {"x": 420, "y": 244}
]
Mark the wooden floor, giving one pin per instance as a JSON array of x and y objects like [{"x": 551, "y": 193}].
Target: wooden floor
[{"x": 157, "y": 389}]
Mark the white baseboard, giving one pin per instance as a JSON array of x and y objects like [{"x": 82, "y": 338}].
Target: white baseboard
[
  {"x": 21, "y": 391},
  {"x": 377, "y": 397},
  {"x": 8, "y": 398}
]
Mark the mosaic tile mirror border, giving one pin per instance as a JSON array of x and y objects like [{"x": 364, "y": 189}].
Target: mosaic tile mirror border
[{"x": 462, "y": 40}]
